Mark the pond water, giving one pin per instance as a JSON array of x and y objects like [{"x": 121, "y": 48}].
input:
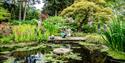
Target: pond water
[{"x": 43, "y": 53}]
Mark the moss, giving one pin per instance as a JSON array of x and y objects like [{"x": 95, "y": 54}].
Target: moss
[
  {"x": 86, "y": 44},
  {"x": 95, "y": 38},
  {"x": 116, "y": 54},
  {"x": 10, "y": 60}
]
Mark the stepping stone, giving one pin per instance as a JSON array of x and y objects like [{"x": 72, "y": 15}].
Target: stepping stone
[{"x": 61, "y": 50}]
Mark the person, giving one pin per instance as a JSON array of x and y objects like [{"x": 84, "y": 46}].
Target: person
[{"x": 63, "y": 33}]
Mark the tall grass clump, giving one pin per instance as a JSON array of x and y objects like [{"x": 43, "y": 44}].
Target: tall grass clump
[
  {"x": 25, "y": 32},
  {"x": 115, "y": 35}
]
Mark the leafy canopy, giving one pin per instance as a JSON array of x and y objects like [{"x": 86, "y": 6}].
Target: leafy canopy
[{"x": 82, "y": 9}]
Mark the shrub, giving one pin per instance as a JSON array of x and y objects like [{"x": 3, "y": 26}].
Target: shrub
[
  {"x": 4, "y": 15},
  {"x": 82, "y": 10}
]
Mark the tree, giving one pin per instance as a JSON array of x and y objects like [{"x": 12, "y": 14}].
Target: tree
[
  {"x": 83, "y": 10},
  {"x": 118, "y": 6},
  {"x": 19, "y": 7},
  {"x": 54, "y": 7}
]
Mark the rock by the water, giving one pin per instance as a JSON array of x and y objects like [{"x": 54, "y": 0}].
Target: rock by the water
[{"x": 61, "y": 50}]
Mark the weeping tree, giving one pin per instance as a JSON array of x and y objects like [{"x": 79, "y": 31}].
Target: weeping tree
[
  {"x": 84, "y": 10},
  {"x": 54, "y": 7}
]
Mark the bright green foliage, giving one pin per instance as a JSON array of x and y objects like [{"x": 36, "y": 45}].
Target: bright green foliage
[
  {"x": 81, "y": 8},
  {"x": 116, "y": 54},
  {"x": 96, "y": 1},
  {"x": 24, "y": 33},
  {"x": 4, "y": 15},
  {"x": 27, "y": 32},
  {"x": 115, "y": 35},
  {"x": 52, "y": 24}
]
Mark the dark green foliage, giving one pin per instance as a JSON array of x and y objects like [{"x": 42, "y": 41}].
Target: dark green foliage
[
  {"x": 115, "y": 35},
  {"x": 17, "y": 22},
  {"x": 54, "y": 7},
  {"x": 32, "y": 14},
  {"x": 91, "y": 29}
]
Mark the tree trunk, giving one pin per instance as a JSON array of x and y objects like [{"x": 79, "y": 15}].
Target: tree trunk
[
  {"x": 25, "y": 8},
  {"x": 20, "y": 11}
]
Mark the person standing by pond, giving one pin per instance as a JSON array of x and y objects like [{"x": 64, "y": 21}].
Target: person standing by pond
[{"x": 63, "y": 33}]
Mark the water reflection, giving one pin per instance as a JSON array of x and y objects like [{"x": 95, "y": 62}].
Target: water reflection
[{"x": 37, "y": 58}]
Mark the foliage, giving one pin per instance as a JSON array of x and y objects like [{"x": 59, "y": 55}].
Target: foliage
[
  {"x": 5, "y": 33},
  {"x": 118, "y": 8},
  {"x": 116, "y": 54},
  {"x": 52, "y": 58},
  {"x": 115, "y": 36},
  {"x": 52, "y": 24},
  {"x": 6, "y": 39},
  {"x": 24, "y": 32},
  {"x": 87, "y": 28},
  {"x": 17, "y": 22},
  {"x": 32, "y": 14},
  {"x": 21, "y": 9},
  {"x": 54, "y": 7},
  {"x": 27, "y": 32},
  {"x": 95, "y": 38},
  {"x": 83, "y": 10},
  {"x": 4, "y": 14}
]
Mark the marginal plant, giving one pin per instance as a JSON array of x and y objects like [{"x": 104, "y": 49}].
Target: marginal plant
[{"x": 115, "y": 35}]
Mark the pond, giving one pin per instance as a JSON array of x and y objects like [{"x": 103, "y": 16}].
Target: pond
[
  {"x": 44, "y": 53},
  {"x": 39, "y": 53}
]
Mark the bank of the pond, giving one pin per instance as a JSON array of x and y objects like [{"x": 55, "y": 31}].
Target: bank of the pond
[{"x": 102, "y": 54}]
